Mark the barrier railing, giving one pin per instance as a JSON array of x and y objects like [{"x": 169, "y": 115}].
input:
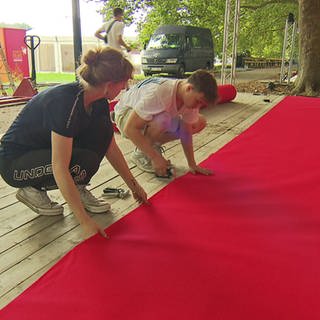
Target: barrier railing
[{"x": 262, "y": 62}]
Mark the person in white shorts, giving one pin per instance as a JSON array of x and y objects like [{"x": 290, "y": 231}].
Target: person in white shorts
[{"x": 159, "y": 110}]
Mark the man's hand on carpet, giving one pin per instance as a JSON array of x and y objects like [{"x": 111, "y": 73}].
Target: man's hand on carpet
[
  {"x": 198, "y": 169},
  {"x": 160, "y": 166}
]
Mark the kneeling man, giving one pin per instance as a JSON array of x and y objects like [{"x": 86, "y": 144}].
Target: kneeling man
[{"x": 159, "y": 110}]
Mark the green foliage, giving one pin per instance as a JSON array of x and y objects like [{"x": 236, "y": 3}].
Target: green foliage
[
  {"x": 134, "y": 44},
  {"x": 261, "y": 28}
]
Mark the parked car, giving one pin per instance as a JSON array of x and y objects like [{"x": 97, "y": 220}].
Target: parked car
[{"x": 177, "y": 49}]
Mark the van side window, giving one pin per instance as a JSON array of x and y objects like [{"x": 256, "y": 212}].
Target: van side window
[
  {"x": 195, "y": 42},
  {"x": 206, "y": 41},
  {"x": 173, "y": 40},
  {"x": 188, "y": 42}
]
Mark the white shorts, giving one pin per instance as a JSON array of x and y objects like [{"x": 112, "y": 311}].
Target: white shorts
[{"x": 163, "y": 119}]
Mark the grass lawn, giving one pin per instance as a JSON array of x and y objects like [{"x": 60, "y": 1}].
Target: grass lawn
[
  {"x": 45, "y": 77},
  {"x": 52, "y": 78}
]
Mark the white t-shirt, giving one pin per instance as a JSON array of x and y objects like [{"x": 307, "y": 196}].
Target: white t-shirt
[
  {"x": 116, "y": 30},
  {"x": 153, "y": 96}
]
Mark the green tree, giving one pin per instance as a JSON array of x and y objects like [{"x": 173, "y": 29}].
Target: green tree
[
  {"x": 262, "y": 27},
  {"x": 308, "y": 82},
  {"x": 262, "y": 24}
]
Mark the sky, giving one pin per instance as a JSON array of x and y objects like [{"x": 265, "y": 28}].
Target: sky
[{"x": 53, "y": 17}]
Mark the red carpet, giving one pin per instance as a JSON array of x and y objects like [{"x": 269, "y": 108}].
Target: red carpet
[
  {"x": 243, "y": 244},
  {"x": 226, "y": 92}
]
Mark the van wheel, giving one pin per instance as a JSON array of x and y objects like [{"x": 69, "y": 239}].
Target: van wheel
[
  {"x": 181, "y": 71},
  {"x": 209, "y": 66}
]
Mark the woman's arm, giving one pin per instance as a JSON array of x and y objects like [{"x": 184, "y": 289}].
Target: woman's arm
[
  {"x": 116, "y": 159},
  {"x": 61, "y": 156}
]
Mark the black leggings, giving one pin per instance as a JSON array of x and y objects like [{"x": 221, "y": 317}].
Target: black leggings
[{"x": 34, "y": 168}]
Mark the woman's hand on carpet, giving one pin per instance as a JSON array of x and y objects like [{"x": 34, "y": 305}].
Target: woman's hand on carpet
[
  {"x": 91, "y": 227},
  {"x": 137, "y": 191},
  {"x": 139, "y": 194}
]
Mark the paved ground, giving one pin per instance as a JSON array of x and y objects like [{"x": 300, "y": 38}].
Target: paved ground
[{"x": 271, "y": 74}]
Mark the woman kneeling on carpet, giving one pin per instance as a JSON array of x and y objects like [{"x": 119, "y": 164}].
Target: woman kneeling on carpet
[{"x": 61, "y": 136}]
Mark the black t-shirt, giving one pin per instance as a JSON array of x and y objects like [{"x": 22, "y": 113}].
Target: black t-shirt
[{"x": 59, "y": 109}]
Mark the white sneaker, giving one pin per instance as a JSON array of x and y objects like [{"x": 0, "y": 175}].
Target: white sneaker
[
  {"x": 39, "y": 202},
  {"x": 141, "y": 161},
  {"x": 91, "y": 203}
]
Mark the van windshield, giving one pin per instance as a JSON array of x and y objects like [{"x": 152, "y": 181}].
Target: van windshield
[{"x": 165, "y": 41}]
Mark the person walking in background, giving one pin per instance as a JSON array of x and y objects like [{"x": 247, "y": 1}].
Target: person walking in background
[
  {"x": 61, "y": 136},
  {"x": 112, "y": 31},
  {"x": 159, "y": 110}
]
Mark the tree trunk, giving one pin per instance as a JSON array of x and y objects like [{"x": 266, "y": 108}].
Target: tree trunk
[{"x": 308, "y": 81}]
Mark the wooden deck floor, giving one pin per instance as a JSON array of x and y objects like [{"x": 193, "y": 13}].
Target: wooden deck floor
[{"x": 31, "y": 244}]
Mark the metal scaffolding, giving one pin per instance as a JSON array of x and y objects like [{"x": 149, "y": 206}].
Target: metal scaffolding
[
  {"x": 230, "y": 40},
  {"x": 288, "y": 49}
]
